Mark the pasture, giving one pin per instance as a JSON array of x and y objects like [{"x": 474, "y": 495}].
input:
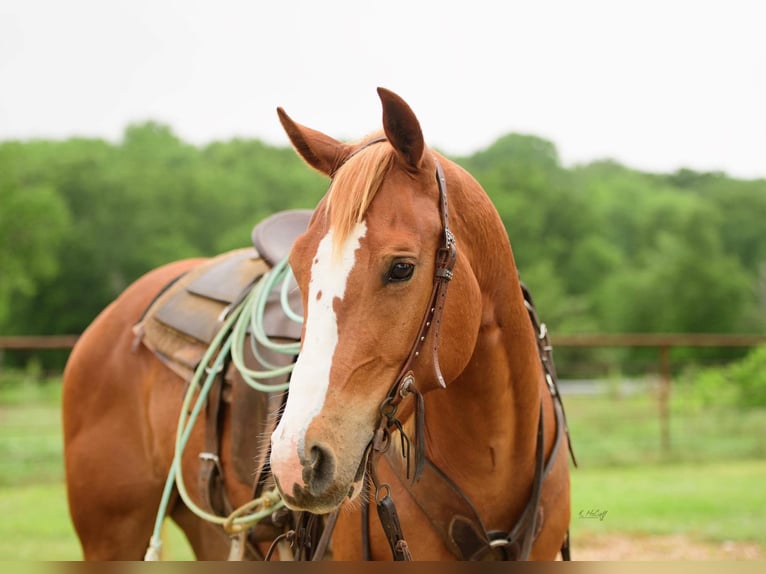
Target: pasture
[{"x": 702, "y": 500}]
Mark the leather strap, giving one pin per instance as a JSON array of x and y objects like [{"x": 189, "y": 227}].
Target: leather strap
[
  {"x": 566, "y": 554},
  {"x": 389, "y": 519},
  {"x": 211, "y": 484},
  {"x": 405, "y": 383},
  {"x": 324, "y": 540},
  {"x": 445, "y": 505},
  {"x": 545, "y": 350},
  {"x": 451, "y": 512},
  {"x": 456, "y": 520},
  {"x": 446, "y": 257},
  {"x": 365, "y": 530}
]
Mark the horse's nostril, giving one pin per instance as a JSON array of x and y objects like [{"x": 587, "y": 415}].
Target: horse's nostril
[
  {"x": 316, "y": 456},
  {"x": 319, "y": 469}
]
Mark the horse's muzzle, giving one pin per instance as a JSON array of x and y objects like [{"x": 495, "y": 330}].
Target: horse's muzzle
[{"x": 322, "y": 490}]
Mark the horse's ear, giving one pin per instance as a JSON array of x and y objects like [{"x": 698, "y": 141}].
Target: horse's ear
[
  {"x": 320, "y": 151},
  {"x": 402, "y": 127}
]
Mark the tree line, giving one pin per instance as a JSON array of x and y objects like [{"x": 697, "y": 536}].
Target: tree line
[{"x": 603, "y": 247}]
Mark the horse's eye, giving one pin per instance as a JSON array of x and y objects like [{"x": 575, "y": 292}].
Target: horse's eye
[{"x": 400, "y": 271}]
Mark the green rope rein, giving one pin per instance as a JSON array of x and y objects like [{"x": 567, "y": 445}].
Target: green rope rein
[{"x": 230, "y": 341}]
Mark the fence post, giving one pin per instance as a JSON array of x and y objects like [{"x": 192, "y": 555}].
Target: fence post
[{"x": 664, "y": 399}]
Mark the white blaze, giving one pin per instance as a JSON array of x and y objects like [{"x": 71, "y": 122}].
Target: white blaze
[{"x": 311, "y": 375}]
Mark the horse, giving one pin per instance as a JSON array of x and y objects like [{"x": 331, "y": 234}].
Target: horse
[
  {"x": 439, "y": 413},
  {"x": 387, "y": 354}
]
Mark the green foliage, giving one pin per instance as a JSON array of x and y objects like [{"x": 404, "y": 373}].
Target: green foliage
[
  {"x": 741, "y": 383},
  {"x": 671, "y": 271},
  {"x": 33, "y": 219},
  {"x": 601, "y": 246},
  {"x": 82, "y": 219}
]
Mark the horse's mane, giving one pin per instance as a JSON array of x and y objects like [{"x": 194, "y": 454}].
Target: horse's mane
[{"x": 354, "y": 186}]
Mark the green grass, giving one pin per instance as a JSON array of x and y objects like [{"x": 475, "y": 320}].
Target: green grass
[
  {"x": 36, "y": 526},
  {"x": 30, "y": 434},
  {"x": 709, "y": 486},
  {"x": 613, "y": 431},
  {"x": 714, "y": 501}
]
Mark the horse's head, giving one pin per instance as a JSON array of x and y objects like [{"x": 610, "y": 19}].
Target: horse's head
[{"x": 365, "y": 268}]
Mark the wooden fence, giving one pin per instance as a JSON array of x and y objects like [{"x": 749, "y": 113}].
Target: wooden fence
[
  {"x": 657, "y": 340},
  {"x": 663, "y": 342},
  {"x": 33, "y": 343}
]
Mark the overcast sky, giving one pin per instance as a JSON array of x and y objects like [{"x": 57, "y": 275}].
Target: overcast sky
[{"x": 656, "y": 85}]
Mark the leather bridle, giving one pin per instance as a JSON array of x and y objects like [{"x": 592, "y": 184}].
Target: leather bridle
[
  {"x": 446, "y": 255},
  {"x": 405, "y": 383}
]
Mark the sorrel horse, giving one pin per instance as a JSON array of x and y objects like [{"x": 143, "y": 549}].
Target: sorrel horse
[
  {"x": 437, "y": 412},
  {"x": 386, "y": 354}
]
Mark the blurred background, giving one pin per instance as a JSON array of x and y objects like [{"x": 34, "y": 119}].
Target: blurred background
[{"x": 623, "y": 144}]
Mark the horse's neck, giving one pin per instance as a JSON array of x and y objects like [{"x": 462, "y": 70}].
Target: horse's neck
[
  {"x": 481, "y": 431},
  {"x": 486, "y": 420}
]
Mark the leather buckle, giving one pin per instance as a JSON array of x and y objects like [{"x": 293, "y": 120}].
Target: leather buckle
[{"x": 210, "y": 457}]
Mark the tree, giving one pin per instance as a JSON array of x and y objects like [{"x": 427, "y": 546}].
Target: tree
[
  {"x": 602, "y": 247},
  {"x": 33, "y": 220}
]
